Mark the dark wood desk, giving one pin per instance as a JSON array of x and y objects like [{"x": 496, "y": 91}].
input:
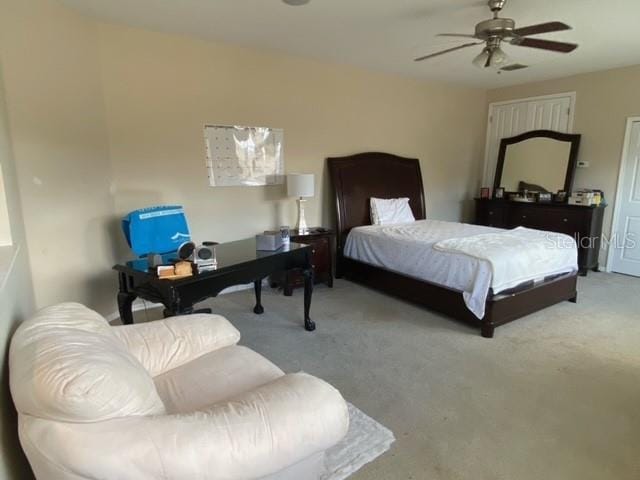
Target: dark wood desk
[{"x": 238, "y": 263}]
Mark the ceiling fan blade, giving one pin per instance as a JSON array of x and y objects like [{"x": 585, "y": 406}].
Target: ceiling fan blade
[
  {"x": 460, "y": 35},
  {"x": 419, "y": 59},
  {"x": 541, "y": 28},
  {"x": 545, "y": 44}
]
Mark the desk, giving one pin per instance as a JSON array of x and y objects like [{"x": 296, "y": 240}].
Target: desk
[{"x": 238, "y": 263}]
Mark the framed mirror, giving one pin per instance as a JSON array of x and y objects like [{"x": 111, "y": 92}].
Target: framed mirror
[{"x": 537, "y": 161}]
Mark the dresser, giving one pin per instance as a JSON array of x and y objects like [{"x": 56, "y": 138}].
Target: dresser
[{"x": 582, "y": 223}]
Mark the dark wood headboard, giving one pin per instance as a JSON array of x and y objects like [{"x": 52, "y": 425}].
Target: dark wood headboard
[{"x": 357, "y": 178}]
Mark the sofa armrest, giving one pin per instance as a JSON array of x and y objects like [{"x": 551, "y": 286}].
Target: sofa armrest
[
  {"x": 166, "y": 344},
  {"x": 259, "y": 432},
  {"x": 254, "y": 435}
]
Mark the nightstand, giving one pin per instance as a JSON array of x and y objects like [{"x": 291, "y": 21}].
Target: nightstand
[{"x": 322, "y": 259}]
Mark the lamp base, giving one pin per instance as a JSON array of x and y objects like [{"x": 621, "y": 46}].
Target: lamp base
[{"x": 301, "y": 225}]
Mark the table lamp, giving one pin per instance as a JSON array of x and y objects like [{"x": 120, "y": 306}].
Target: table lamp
[{"x": 300, "y": 185}]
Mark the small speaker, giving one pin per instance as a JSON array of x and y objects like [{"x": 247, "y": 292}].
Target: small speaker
[
  {"x": 203, "y": 254},
  {"x": 185, "y": 251}
]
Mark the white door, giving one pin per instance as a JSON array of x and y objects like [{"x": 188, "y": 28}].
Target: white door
[
  {"x": 508, "y": 119},
  {"x": 625, "y": 241}
]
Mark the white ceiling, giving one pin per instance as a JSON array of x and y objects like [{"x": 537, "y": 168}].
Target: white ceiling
[{"x": 386, "y": 35}]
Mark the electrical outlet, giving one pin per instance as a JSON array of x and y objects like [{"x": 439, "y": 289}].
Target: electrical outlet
[{"x": 583, "y": 164}]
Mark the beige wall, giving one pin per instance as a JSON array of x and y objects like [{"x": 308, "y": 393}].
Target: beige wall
[
  {"x": 59, "y": 133},
  {"x": 5, "y": 223},
  {"x": 161, "y": 89},
  {"x": 604, "y": 102},
  {"x": 106, "y": 119},
  {"x": 16, "y": 302}
]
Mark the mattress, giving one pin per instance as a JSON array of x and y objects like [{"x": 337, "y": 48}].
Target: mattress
[{"x": 408, "y": 249}]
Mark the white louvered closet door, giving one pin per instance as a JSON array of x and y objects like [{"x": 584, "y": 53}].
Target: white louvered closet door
[{"x": 508, "y": 119}]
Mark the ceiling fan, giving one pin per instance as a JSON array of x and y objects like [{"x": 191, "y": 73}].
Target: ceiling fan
[{"x": 496, "y": 30}]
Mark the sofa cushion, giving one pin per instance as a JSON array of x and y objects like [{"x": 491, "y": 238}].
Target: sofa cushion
[
  {"x": 67, "y": 365},
  {"x": 163, "y": 345},
  {"x": 214, "y": 377}
]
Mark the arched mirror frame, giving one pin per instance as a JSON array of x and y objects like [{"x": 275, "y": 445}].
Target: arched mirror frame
[{"x": 573, "y": 139}]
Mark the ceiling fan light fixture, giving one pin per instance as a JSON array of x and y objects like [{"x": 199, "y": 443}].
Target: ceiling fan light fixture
[
  {"x": 481, "y": 60},
  {"x": 499, "y": 58},
  {"x": 491, "y": 57}
]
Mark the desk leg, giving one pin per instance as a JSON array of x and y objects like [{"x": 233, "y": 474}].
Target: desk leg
[
  {"x": 125, "y": 301},
  {"x": 288, "y": 291},
  {"x": 257, "y": 286},
  {"x": 308, "y": 291}
]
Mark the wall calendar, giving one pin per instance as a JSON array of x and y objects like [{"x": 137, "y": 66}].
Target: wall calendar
[{"x": 249, "y": 156}]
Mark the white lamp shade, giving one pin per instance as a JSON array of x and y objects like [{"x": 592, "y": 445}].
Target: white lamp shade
[{"x": 300, "y": 184}]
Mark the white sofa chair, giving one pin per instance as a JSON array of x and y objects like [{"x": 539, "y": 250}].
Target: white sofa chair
[{"x": 171, "y": 399}]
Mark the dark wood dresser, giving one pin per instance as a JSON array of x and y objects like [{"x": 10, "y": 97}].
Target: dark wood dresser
[
  {"x": 582, "y": 223},
  {"x": 322, "y": 260}
]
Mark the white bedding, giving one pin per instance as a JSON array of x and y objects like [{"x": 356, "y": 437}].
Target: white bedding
[{"x": 409, "y": 249}]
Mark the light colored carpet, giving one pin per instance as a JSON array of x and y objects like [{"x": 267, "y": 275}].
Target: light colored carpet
[
  {"x": 555, "y": 395},
  {"x": 364, "y": 442}
]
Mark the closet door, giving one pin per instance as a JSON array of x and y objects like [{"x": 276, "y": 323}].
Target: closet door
[{"x": 507, "y": 119}]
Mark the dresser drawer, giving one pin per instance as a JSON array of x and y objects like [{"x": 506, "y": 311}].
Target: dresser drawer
[
  {"x": 525, "y": 216},
  {"x": 491, "y": 215},
  {"x": 566, "y": 221},
  {"x": 550, "y": 219},
  {"x": 320, "y": 257}
]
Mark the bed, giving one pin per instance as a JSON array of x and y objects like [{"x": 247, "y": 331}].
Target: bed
[{"x": 363, "y": 250}]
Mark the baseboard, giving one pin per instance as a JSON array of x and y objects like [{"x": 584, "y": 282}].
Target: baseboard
[{"x": 140, "y": 304}]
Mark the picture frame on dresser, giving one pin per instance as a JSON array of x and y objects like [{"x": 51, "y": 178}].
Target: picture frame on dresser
[{"x": 560, "y": 197}]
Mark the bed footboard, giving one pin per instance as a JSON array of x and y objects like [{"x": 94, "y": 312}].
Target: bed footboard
[{"x": 500, "y": 309}]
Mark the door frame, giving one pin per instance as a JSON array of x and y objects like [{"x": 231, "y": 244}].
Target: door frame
[
  {"x": 618, "y": 197},
  {"x": 572, "y": 108}
]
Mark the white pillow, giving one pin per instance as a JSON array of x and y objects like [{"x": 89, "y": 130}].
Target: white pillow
[{"x": 385, "y": 211}]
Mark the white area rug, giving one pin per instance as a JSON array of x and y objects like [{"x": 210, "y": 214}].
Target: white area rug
[{"x": 365, "y": 441}]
